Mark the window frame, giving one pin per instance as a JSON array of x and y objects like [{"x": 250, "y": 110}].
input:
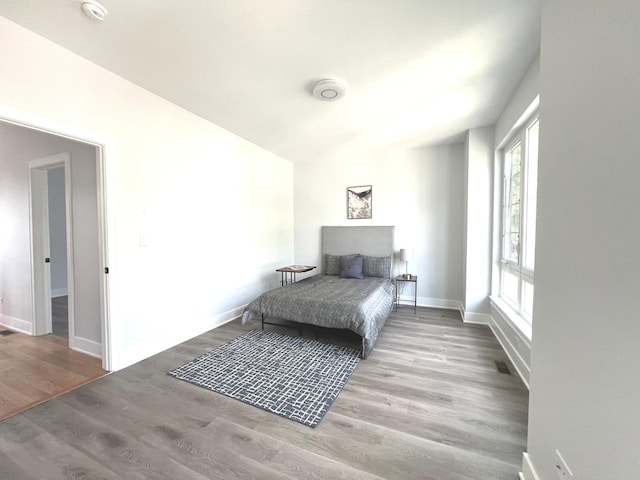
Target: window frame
[{"x": 520, "y": 268}]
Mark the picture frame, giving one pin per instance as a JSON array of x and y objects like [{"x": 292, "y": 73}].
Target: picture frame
[{"x": 359, "y": 202}]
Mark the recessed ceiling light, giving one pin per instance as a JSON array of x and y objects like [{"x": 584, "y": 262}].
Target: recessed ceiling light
[
  {"x": 329, "y": 90},
  {"x": 93, "y": 10}
]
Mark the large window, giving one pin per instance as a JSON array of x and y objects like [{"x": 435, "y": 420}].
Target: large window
[{"x": 519, "y": 219}]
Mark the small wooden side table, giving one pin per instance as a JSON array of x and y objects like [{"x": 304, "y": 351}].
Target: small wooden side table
[
  {"x": 288, "y": 274},
  {"x": 413, "y": 279}
]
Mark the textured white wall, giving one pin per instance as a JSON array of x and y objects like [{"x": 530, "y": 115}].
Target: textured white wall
[
  {"x": 585, "y": 386},
  {"x": 419, "y": 191},
  {"x": 215, "y": 211}
]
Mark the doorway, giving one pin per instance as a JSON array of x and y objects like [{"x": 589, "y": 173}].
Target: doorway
[
  {"x": 65, "y": 244},
  {"x": 51, "y": 205},
  {"x": 82, "y": 167},
  {"x": 56, "y": 186}
]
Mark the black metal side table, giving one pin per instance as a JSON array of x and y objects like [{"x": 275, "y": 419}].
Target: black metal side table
[{"x": 412, "y": 279}]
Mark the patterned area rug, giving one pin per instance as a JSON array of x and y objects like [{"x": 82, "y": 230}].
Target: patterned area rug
[{"x": 293, "y": 377}]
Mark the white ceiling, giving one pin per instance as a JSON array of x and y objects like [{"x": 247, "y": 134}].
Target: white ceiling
[{"x": 418, "y": 71}]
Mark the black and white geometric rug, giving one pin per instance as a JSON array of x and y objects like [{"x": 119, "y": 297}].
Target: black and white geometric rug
[{"x": 293, "y": 377}]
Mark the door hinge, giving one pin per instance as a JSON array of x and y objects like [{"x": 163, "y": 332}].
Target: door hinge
[
  {"x": 47, "y": 260},
  {"x": 106, "y": 270}
]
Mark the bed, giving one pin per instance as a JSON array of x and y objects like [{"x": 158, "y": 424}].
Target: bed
[{"x": 361, "y": 305}]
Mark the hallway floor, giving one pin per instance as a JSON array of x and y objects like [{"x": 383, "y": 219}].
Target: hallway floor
[
  {"x": 60, "y": 316},
  {"x": 36, "y": 369}
]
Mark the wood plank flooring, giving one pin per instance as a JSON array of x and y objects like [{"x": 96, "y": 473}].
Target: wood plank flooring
[
  {"x": 427, "y": 404},
  {"x": 36, "y": 369},
  {"x": 60, "y": 316}
]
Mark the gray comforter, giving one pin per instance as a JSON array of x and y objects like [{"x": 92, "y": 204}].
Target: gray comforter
[{"x": 360, "y": 305}]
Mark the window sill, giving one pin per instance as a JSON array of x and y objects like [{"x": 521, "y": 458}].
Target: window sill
[{"x": 520, "y": 324}]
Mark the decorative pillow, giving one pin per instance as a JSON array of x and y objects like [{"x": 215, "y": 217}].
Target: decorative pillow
[
  {"x": 376, "y": 266},
  {"x": 332, "y": 263},
  {"x": 351, "y": 267}
]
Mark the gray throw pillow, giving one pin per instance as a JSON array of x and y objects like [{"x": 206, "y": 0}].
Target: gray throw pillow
[
  {"x": 332, "y": 263},
  {"x": 376, "y": 266},
  {"x": 351, "y": 267}
]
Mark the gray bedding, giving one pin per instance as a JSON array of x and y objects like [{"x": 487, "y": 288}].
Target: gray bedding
[{"x": 359, "y": 305}]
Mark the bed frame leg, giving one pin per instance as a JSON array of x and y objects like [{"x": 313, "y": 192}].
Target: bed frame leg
[
  {"x": 262, "y": 315},
  {"x": 362, "y": 354}
]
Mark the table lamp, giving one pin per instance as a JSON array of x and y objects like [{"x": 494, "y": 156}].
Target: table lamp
[{"x": 406, "y": 254}]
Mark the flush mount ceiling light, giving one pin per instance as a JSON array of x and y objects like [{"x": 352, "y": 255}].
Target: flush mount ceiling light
[
  {"x": 329, "y": 90},
  {"x": 93, "y": 10}
]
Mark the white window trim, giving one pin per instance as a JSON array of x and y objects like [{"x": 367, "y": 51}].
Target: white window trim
[
  {"x": 514, "y": 317},
  {"x": 520, "y": 322}
]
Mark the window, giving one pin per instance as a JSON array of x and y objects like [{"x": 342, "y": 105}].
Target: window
[{"x": 517, "y": 257}]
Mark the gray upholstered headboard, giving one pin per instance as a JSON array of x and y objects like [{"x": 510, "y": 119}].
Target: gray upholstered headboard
[{"x": 365, "y": 240}]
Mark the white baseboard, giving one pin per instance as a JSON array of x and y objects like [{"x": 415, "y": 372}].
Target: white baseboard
[
  {"x": 88, "y": 347},
  {"x": 146, "y": 351},
  {"x": 226, "y": 317},
  {"x": 16, "y": 324},
  {"x": 479, "y": 318},
  {"x": 433, "y": 302},
  {"x": 528, "y": 470},
  {"x": 59, "y": 292}
]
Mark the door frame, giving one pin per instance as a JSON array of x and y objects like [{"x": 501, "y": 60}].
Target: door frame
[
  {"x": 104, "y": 183},
  {"x": 41, "y": 240}
]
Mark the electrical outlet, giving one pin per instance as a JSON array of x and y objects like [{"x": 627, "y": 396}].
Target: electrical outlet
[{"x": 562, "y": 469}]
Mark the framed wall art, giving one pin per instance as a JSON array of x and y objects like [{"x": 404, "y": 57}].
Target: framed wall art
[{"x": 359, "y": 202}]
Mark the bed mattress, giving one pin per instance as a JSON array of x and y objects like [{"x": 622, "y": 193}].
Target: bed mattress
[{"x": 359, "y": 305}]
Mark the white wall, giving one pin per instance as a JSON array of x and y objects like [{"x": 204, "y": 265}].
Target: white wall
[
  {"x": 84, "y": 215},
  {"x": 215, "y": 212},
  {"x": 15, "y": 250},
  {"x": 419, "y": 191},
  {"x": 585, "y": 385},
  {"x": 525, "y": 93},
  {"x": 479, "y": 155},
  {"x": 57, "y": 231}
]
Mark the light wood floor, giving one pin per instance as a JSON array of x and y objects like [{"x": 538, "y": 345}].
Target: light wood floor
[
  {"x": 428, "y": 403},
  {"x": 36, "y": 369}
]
